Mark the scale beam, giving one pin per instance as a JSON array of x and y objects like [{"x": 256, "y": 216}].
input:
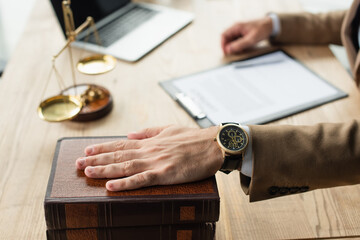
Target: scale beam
[{"x": 79, "y": 103}]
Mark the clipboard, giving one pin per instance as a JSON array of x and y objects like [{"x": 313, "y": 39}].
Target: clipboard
[{"x": 301, "y": 89}]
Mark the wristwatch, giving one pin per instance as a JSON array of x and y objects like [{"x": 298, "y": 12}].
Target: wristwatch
[{"x": 232, "y": 140}]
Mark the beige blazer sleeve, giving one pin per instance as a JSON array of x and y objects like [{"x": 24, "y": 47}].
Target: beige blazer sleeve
[
  {"x": 293, "y": 159},
  {"x": 308, "y": 28}
]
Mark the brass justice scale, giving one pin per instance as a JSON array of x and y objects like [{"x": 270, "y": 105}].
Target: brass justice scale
[{"x": 82, "y": 102}]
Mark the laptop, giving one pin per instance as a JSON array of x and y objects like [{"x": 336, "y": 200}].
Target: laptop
[{"x": 127, "y": 30}]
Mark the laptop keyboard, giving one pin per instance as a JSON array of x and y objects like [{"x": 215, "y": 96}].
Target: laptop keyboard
[{"x": 122, "y": 25}]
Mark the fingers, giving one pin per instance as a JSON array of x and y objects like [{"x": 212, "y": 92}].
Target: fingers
[
  {"x": 116, "y": 170},
  {"x": 107, "y": 158},
  {"x": 144, "y": 179},
  {"x": 232, "y": 33},
  {"x": 111, "y": 147},
  {"x": 235, "y": 31},
  {"x": 146, "y": 133},
  {"x": 245, "y": 35},
  {"x": 240, "y": 44}
]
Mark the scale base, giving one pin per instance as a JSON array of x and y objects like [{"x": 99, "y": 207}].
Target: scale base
[{"x": 97, "y": 101}]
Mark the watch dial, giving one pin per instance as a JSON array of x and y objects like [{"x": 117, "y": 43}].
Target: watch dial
[{"x": 233, "y": 138}]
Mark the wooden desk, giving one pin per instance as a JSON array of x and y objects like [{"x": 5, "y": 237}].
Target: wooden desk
[{"x": 27, "y": 143}]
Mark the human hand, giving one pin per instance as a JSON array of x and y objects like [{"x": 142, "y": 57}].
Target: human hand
[
  {"x": 154, "y": 156},
  {"x": 244, "y": 35}
]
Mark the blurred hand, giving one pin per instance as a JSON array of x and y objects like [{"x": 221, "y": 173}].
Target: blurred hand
[
  {"x": 244, "y": 35},
  {"x": 154, "y": 156}
]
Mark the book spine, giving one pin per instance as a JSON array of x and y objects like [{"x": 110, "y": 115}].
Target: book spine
[
  {"x": 204, "y": 231},
  {"x": 117, "y": 214}
]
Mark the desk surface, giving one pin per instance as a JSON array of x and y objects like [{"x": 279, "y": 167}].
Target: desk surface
[{"x": 27, "y": 143}]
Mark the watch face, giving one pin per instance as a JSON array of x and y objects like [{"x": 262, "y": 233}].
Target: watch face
[{"x": 233, "y": 138}]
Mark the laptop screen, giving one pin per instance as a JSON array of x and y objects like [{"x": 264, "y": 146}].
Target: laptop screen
[{"x": 98, "y": 9}]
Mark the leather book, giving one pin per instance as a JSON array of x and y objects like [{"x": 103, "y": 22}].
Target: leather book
[
  {"x": 75, "y": 201},
  {"x": 202, "y": 231}
]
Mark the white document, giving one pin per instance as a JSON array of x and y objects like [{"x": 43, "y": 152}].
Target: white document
[{"x": 257, "y": 90}]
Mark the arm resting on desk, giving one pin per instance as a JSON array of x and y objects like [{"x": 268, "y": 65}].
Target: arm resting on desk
[
  {"x": 304, "y": 28},
  {"x": 286, "y": 159},
  {"x": 293, "y": 159},
  {"x": 308, "y": 28}
]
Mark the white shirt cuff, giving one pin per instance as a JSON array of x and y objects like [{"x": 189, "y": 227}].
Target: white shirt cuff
[
  {"x": 276, "y": 27},
  {"x": 247, "y": 167}
]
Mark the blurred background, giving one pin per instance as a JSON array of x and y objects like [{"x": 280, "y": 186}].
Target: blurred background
[{"x": 14, "y": 15}]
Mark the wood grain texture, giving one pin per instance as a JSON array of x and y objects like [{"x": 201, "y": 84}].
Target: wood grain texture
[{"x": 27, "y": 144}]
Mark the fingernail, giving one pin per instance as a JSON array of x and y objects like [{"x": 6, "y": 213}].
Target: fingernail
[
  {"x": 81, "y": 161},
  {"x": 89, "y": 150},
  {"x": 132, "y": 135},
  {"x": 110, "y": 185},
  {"x": 89, "y": 169}
]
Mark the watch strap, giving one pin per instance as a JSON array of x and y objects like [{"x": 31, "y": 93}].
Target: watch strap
[{"x": 231, "y": 162}]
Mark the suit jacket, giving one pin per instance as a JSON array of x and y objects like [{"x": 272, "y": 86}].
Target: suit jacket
[{"x": 293, "y": 159}]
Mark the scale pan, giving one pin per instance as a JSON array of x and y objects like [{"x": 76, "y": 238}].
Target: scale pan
[
  {"x": 59, "y": 108},
  {"x": 96, "y": 64}
]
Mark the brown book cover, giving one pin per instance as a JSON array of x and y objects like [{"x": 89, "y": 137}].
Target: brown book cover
[
  {"x": 201, "y": 231},
  {"x": 74, "y": 201}
]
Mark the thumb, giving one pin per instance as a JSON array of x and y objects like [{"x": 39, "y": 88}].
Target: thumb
[{"x": 146, "y": 133}]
